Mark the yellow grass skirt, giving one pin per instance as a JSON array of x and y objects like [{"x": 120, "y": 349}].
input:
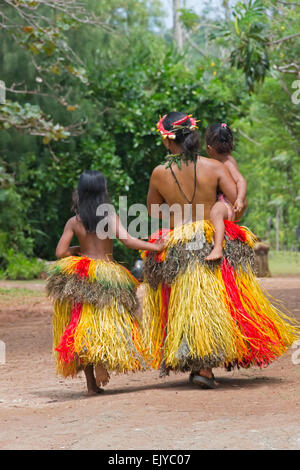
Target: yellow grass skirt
[
  {"x": 200, "y": 314},
  {"x": 94, "y": 318}
]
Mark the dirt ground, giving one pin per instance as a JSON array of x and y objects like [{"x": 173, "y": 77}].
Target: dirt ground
[{"x": 251, "y": 409}]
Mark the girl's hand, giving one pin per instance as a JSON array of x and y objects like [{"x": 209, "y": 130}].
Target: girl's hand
[
  {"x": 238, "y": 205},
  {"x": 74, "y": 250},
  {"x": 159, "y": 245}
]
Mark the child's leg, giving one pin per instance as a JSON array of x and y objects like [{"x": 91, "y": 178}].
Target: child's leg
[
  {"x": 92, "y": 387},
  {"x": 218, "y": 214}
]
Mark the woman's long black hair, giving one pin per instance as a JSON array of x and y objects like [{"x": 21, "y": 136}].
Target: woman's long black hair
[
  {"x": 91, "y": 193},
  {"x": 188, "y": 139}
]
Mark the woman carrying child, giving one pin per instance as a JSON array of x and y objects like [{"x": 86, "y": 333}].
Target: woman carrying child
[{"x": 201, "y": 314}]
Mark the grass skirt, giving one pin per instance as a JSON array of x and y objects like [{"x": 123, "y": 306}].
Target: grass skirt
[
  {"x": 200, "y": 314},
  {"x": 94, "y": 316}
]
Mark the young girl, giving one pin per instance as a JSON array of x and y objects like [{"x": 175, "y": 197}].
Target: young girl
[
  {"x": 94, "y": 323},
  {"x": 219, "y": 145}
]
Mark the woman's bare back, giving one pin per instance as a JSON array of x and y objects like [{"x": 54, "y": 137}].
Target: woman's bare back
[{"x": 178, "y": 188}]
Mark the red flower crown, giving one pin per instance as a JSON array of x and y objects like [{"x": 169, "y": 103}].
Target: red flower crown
[{"x": 177, "y": 125}]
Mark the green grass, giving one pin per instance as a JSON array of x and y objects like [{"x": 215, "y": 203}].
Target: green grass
[
  {"x": 16, "y": 292},
  {"x": 284, "y": 262}
]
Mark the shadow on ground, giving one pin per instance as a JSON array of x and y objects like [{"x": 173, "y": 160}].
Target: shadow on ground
[{"x": 223, "y": 384}]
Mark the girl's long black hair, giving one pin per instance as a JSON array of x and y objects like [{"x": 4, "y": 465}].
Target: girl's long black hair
[
  {"x": 91, "y": 193},
  {"x": 188, "y": 139}
]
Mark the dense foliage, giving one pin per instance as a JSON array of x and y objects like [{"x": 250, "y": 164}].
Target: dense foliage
[{"x": 85, "y": 89}]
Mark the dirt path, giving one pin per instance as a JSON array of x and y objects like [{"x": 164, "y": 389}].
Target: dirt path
[{"x": 252, "y": 409}]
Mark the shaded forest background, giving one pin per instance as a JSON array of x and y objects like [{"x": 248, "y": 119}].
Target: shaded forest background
[{"x": 85, "y": 83}]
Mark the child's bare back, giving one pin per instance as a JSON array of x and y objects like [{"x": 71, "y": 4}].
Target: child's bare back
[{"x": 89, "y": 243}]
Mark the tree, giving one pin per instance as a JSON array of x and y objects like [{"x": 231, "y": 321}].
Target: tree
[
  {"x": 177, "y": 29},
  {"x": 42, "y": 30},
  {"x": 43, "y": 176},
  {"x": 253, "y": 59}
]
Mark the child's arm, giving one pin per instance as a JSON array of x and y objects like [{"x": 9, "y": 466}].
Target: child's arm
[
  {"x": 132, "y": 242},
  {"x": 226, "y": 183},
  {"x": 63, "y": 248},
  {"x": 241, "y": 185}
]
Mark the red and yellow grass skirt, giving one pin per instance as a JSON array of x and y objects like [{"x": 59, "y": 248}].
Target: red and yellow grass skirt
[
  {"x": 94, "y": 316},
  {"x": 200, "y": 314}
]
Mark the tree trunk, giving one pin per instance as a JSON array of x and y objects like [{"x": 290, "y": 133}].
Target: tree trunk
[
  {"x": 2, "y": 92},
  {"x": 261, "y": 251},
  {"x": 177, "y": 29},
  {"x": 227, "y": 9},
  {"x": 277, "y": 223}
]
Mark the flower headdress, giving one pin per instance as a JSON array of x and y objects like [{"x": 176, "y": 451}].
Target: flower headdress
[{"x": 177, "y": 125}]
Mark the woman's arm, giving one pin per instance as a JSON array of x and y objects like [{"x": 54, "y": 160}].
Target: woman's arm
[
  {"x": 132, "y": 242},
  {"x": 63, "y": 248},
  {"x": 154, "y": 198}
]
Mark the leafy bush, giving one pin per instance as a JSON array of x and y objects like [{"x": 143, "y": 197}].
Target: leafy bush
[
  {"x": 14, "y": 227},
  {"x": 20, "y": 267}
]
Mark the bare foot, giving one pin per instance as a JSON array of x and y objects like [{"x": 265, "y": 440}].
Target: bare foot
[
  {"x": 102, "y": 376},
  {"x": 216, "y": 253},
  {"x": 92, "y": 386},
  {"x": 94, "y": 391}
]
